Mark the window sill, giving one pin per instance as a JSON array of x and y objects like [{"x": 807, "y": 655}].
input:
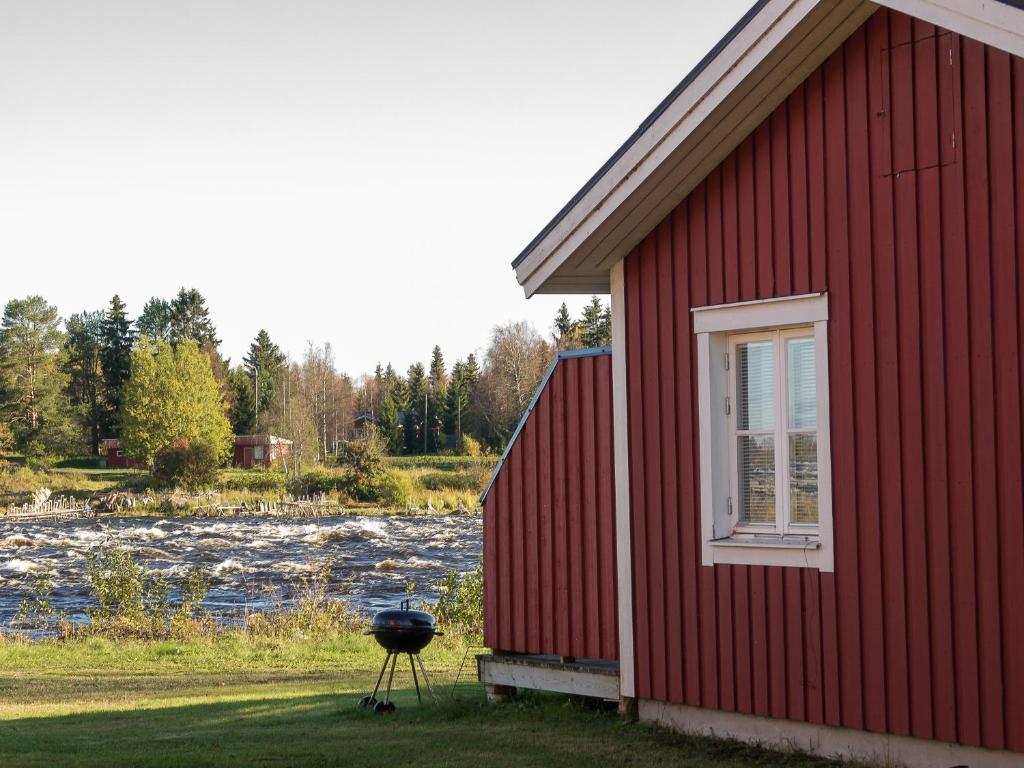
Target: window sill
[{"x": 768, "y": 541}]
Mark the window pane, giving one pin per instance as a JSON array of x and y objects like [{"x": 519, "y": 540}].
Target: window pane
[
  {"x": 755, "y": 386},
  {"x": 756, "y": 467},
  {"x": 803, "y": 478},
  {"x": 802, "y": 379}
]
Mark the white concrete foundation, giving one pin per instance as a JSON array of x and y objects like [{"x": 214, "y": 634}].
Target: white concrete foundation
[
  {"x": 876, "y": 748},
  {"x": 547, "y": 673}
]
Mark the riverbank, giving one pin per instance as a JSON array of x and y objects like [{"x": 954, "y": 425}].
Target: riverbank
[
  {"x": 424, "y": 485},
  {"x": 238, "y": 701}
]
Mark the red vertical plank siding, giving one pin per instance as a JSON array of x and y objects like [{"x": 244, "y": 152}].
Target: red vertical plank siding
[
  {"x": 531, "y": 534},
  {"x": 893, "y": 179},
  {"x": 1008, "y": 212},
  {"x": 887, "y": 411},
  {"x": 982, "y": 391},
  {"x": 574, "y": 510},
  {"x": 547, "y": 525},
  {"x": 667, "y": 396},
  {"x": 549, "y": 552},
  {"x": 590, "y": 647},
  {"x": 606, "y": 512},
  {"x": 956, "y": 312}
]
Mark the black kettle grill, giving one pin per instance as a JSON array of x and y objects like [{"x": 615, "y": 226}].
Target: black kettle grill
[{"x": 398, "y": 631}]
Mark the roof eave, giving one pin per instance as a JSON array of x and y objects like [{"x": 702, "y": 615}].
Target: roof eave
[{"x": 737, "y": 86}]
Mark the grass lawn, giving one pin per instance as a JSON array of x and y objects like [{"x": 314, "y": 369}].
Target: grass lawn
[{"x": 247, "y": 702}]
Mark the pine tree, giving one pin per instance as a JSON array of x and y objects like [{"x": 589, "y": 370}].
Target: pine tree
[
  {"x": 243, "y": 405},
  {"x": 32, "y": 383},
  {"x": 190, "y": 320},
  {"x": 595, "y": 326},
  {"x": 471, "y": 419},
  {"x": 397, "y": 387},
  {"x": 437, "y": 395},
  {"x": 457, "y": 405},
  {"x": 471, "y": 373},
  {"x": 83, "y": 348},
  {"x": 155, "y": 320},
  {"x": 566, "y": 329},
  {"x": 117, "y": 340},
  {"x": 387, "y": 421},
  {"x": 264, "y": 362},
  {"x": 376, "y": 390},
  {"x": 416, "y": 381}
]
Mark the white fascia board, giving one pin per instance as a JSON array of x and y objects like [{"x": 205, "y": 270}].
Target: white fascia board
[
  {"x": 994, "y": 23},
  {"x": 710, "y": 88}
]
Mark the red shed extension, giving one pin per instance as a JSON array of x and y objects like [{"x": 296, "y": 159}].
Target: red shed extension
[
  {"x": 815, "y": 251},
  {"x": 549, "y": 520}
]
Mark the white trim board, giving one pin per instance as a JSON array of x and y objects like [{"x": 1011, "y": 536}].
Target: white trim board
[
  {"x": 523, "y": 672},
  {"x": 755, "y": 70},
  {"x": 827, "y": 741},
  {"x": 623, "y": 544}
]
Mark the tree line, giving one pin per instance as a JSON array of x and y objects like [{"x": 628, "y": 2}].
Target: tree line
[{"x": 67, "y": 384}]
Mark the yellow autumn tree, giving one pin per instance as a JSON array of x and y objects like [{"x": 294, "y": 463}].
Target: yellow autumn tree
[{"x": 172, "y": 398}]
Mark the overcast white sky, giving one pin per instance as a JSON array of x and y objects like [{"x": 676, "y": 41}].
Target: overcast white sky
[{"x": 355, "y": 172}]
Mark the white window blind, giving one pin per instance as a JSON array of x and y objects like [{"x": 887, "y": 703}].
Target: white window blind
[
  {"x": 755, "y": 431},
  {"x": 774, "y": 432}
]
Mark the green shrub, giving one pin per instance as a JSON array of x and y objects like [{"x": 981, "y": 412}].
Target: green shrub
[
  {"x": 6, "y": 439},
  {"x": 318, "y": 481},
  {"x": 449, "y": 481},
  {"x": 471, "y": 446},
  {"x": 391, "y": 490},
  {"x": 16, "y": 479},
  {"x": 37, "y": 457},
  {"x": 192, "y": 466},
  {"x": 131, "y": 604},
  {"x": 441, "y": 462},
  {"x": 36, "y": 609},
  {"x": 257, "y": 480},
  {"x": 460, "y": 603}
]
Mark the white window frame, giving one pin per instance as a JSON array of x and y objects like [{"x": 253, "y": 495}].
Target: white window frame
[
  {"x": 717, "y": 329},
  {"x": 256, "y": 457}
]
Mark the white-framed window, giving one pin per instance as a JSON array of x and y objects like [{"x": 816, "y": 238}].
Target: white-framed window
[
  {"x": 257, "y": 453},
  {"x": 764, "y": 432}
]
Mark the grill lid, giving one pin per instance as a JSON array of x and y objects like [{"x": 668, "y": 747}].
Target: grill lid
[{"x": 403, "y": 618}]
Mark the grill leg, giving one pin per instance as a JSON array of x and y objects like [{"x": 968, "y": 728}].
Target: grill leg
[
  {"x": 426, "y": 679},
  {"x": 414, "y": 680},
  {"x": 391, "y": 676},
  {"x": 373, "y": 696}
]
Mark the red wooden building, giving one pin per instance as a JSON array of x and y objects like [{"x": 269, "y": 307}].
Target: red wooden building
[
  {"x": 264, "y": 450},
  {"x": 814, "y": 251},
  {"x": 115, "y": 456},
  {"x": 249, "y": 450}
]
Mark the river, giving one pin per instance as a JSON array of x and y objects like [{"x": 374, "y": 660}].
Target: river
[{"x": 254, "y": 563}]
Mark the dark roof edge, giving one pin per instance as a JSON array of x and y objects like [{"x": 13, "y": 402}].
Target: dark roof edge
[
  {"x": 569, "y": 354},
  {"x": 644, "y": 126}
]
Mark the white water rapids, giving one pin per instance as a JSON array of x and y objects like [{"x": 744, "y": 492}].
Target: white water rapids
[{"x": 254, "y": 563}]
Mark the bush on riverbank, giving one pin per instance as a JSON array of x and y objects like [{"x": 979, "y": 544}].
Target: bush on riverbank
[
  {"x": 131, "y": 602},
  {"x": 192, "y": 465},
  {"x": 460, "y": 604}
]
